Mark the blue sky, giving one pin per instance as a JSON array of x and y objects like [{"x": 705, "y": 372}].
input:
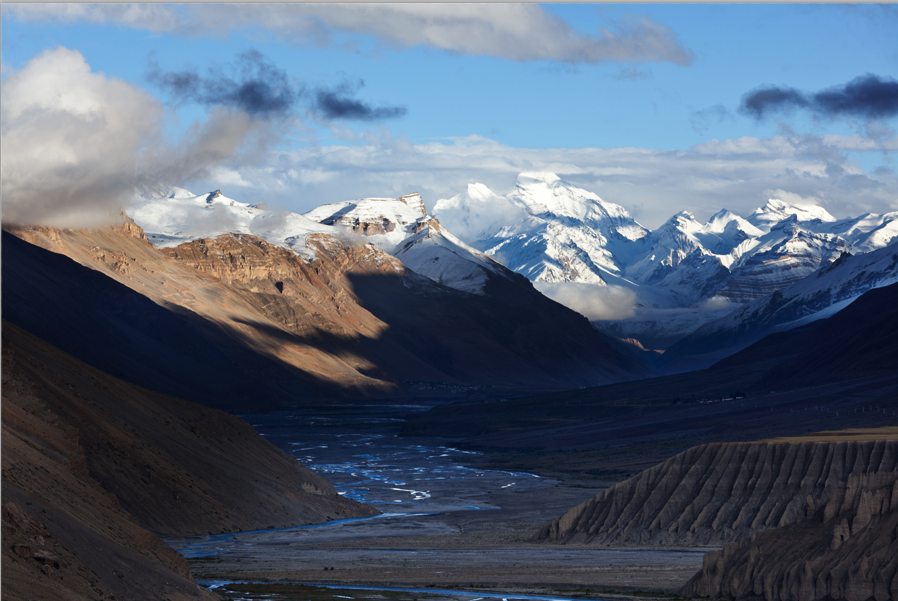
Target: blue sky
[{"x": 638, "y": 103}]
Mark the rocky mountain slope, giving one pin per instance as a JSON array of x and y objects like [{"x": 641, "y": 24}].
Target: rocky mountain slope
[
  {"x": 802, "y": 519},
  {"x": 94, "y": 469},
  {"x": 171, "y": 330},
  {"x": 719, "y": 493},
  {"x": 846, "y": 549},
  {"x": 260, "y": 325}
]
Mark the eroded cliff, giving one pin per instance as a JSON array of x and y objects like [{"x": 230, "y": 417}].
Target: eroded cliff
[
  {"x": 846, "y": 549},
  {"x": 715, "y": 494}
]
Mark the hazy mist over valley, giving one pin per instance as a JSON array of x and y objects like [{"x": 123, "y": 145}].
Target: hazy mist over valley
[{"x": 458, "y": 302}]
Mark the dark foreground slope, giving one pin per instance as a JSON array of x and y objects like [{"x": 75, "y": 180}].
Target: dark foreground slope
[{"x": 95, "y": 468}]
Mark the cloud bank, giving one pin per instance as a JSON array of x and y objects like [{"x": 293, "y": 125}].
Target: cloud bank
[
  {"x": 593, "y": 302},
  {"x": 739, "y": 174},
  {"x": 518, "y": 32}
]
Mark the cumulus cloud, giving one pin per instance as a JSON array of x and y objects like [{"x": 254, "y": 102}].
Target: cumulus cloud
[
  {"x": 593, "y": 302},
  {"x": 865, "y": 97},
  {"x": 72, "y": 141},
  {"x": 75, "y": 143},
  {"x": 519, "y": 32}
]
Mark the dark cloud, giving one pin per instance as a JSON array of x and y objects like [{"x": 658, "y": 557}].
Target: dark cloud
[
  {"x": 338, "y": 103},
  {"x": 866, "y": 97},
  {"x": 762, "y": 101},
  {"x": 259, "y": 88}
]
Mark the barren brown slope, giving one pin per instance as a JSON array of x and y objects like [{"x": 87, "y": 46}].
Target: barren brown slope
[
  {"x": 846, "y": 549},
  {"x": 94, "y": 468},
  {"x": 217, "y": 327},
  {"x": 354, "y": 320},
  {"x": 718, "y": 493}
]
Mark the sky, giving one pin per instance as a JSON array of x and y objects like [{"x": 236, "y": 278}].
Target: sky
[{"x": 659, "y": 108}]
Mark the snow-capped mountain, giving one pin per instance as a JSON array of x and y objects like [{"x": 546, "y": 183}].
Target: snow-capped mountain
[
  {"x": 177, "y": 216},
  {"x": 816, "y": 297},
  {"x": 403, "y": 228},
  {"x": 789, "y": 252},
  {"x": 556, "y": 232},
  {"x": 867, "y": 232},
  {"x": 546, "y": 229},
  {"x": 776, "y": 211},
  {"x": 400, "y": 227}
]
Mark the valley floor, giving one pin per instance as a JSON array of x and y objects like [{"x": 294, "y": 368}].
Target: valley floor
[
  {"x": 482, "y": 550},
  {"x": 470, "y": 530}
]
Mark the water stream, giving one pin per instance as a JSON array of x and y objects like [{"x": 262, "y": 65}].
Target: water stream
[{"x": 422, "y": 486}]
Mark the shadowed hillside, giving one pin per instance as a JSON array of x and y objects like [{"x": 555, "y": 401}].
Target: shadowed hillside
[
  {"x": 836, "y": 373},
  {"x": 94, "y": 468}
]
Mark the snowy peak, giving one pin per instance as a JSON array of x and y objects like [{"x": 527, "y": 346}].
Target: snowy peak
[
  {"x": 180, "y": 216},
  {"x": 725, "y": 220},
  {"x": 547, "y": 194},
  {"x": 433, "y": 252},
  {"x": 776, "y": 210}
]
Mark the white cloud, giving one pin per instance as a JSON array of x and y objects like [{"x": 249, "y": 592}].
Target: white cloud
[
  {"x": 520, "y": 32},
  {"x": 739, "y": 175},
  {"x": 593, "y": 302},
  {"x": 71, "y": 141},
  {"x": 75, "y": 143},
  {"x": 152, "y": 17}
]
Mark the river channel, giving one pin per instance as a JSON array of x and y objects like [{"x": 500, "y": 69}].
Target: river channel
[{"x": 444, "y": 525}]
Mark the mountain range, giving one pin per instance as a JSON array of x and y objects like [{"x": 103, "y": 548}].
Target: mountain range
[
  {"x": 684, "y": 275},
  {"x": 697, "y": 291},
  {"x": 239, "y": 307}
]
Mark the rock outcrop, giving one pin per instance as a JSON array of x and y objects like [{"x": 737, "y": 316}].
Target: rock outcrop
[
  {"x": 95, "y": 469},
  {"x": 715, "y": 494},
  {"x": 845, "y": 549}
]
